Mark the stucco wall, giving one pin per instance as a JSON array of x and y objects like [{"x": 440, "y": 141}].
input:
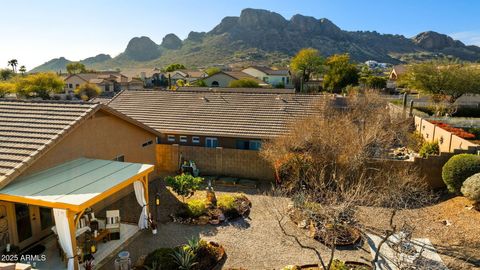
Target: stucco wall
[
  {"x": 222, "y": 79},
  {"x": 216, "y": 161},
  {"x": 103, "y": 136},
  {"x": 448, "y": 142}
]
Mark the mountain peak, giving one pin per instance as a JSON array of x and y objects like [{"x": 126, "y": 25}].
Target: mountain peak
[
  {"x": 431, "y": 40},
  {"x": 260, "y": 18},
  {"x": 142, "y": 49},
  {"x": 171, "y": 41}
]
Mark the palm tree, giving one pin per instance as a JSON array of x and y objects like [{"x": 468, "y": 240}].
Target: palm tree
[
  {"x": 14, "y": 64},
  {"x": 22, "y": 69}
]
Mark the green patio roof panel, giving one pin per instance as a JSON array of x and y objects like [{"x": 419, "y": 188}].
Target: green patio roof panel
[{"x": 74, "y": 182}]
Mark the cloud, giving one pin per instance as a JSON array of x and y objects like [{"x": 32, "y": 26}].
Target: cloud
[{"x": 468, "y": 37}]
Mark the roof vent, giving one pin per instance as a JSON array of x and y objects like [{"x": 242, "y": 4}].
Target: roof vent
[
  {"x": 205, "y": 99},
  {"x": 279, "y": 97}
]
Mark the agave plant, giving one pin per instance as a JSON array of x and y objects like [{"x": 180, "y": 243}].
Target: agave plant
[
  {"x": 184, "y": 258},
  {"x": 194, "y": 244}
]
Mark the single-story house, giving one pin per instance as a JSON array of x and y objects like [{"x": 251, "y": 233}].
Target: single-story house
[
  {"x": 223, "y": 79},
  {"x": 58, "y": 159},
  {"x": 236, "y": 90},
  {"x": 275, "y": 77},
  {"x": 185, "y": 75},
  {"x": 215, "y": 119},
  {"x": 107, "y": 81}
]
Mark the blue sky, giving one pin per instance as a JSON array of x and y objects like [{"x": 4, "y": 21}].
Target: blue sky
[{"x": 36, "y": 31}]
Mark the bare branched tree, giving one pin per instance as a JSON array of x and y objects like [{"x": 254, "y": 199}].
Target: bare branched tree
[{"x": 330, "y": 163}]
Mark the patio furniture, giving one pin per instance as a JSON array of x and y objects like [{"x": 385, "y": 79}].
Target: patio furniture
[
  {"x": 113, "y": 224},
  {"x": 103, "y": 235},
  {"x": 190, "y": 167}
]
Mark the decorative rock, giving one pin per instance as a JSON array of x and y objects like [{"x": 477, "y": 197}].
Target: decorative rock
[{"x": 302, "y": 224}]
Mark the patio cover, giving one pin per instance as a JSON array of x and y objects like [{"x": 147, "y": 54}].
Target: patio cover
[{"x": 73, "y": 186}]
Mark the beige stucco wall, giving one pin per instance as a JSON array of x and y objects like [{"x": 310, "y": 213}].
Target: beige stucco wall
[
  {"x": 103, "y": 136},
  {"x": 222, "y": 79},
  {"x": 74, "y": 81}
]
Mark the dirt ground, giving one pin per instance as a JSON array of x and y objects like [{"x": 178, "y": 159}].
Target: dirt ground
[{"x": 451, "y": 225}]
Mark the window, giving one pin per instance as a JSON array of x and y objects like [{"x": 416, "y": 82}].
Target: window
[
  {"x": 242, "y": 144},
  {"x": 211, "y": 142},
  {"x": 248, "y": 144},
  {"x": 183, "y": 139},
  {"x": 215, "y": 84},
  {"x": 147, "y": 143},
  {"x": 195, "y": 139},
  {"x": 70, "y": 85},
  {"x": 288, "y": 80},
  {"x": 158, "y": 140},
  {"x": 255, "y": 145},
  {"x": 171, "y": 138},
  {"x": 77, "y": 85},
  {"x": 119, "y": 158}
]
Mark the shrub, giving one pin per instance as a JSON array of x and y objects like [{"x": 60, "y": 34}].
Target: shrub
[
  {"x": 226, "y": 202},
  {"x": 429, "y": 149},
  {"x": 471, "y": 188},
  {"x": 184, "y": 185},
  {"x": 458, "y": 168},
  {"x": 243, "y": 83},
  {"x": 161, "y": 256},
  {"x": 415, "y": 141},
  {"x": 196, "y": 208}
]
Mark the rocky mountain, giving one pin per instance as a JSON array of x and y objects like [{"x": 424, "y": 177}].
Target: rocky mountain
[
  {"x": 266, "y": 37},
  {"x": 59, "y": 64}
]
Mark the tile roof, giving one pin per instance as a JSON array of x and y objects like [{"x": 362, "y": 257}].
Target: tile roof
[
  {"x": 237, "y": 90},
  {"x": 247, "y": 115},
  {"x": 270, "y": 71},
  {"x": 30, "y": 128},
  {"x": 237, "y": 75},
  {"x": 27, "y": 128}
]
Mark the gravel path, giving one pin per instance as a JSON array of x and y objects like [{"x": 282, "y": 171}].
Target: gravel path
[{"x": 258, "y": 243}]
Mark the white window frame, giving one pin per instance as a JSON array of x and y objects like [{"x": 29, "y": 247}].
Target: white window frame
[
  {"x": 195, "y": 139},
  {"x": 183, "y": 139},
  {"x": 171, "y": 138},
  {"x": 212, "y": 139}
]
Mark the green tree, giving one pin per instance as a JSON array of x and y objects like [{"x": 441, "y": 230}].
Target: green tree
[
  {"x": 6, "y": 88},
  {"x": 173, "y": 67},
  {"x": 87, "y": 91},
  {"x": 180, "y": 83},
  {"x": 212, "y": 70},
  {"x": 444, "y": 81},
  {"x": 184, "y": 185},
  {"x": 75, "y": 68},
  {"x": 6, "y": 74},
  {"x": 340, "y": 73},
  {"x": 22, "y": 69},
  {"x": 39, "y": 85},
  {"x": 306, "y": 63},
  {"x": 201, "y": 83},
  {"x": 13, "y": 63},
  {"x": 243, "y": 83},
  {"x": 374, "y": 82}
]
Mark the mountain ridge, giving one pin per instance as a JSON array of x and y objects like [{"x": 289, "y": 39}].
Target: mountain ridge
[{"x": 262, "y": 36}]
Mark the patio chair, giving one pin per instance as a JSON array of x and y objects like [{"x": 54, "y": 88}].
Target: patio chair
[{"x": 113, "y": 224}]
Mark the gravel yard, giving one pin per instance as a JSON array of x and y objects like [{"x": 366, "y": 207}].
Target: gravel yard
[
  {"x": 266, "y": 242},
  {"x": 257, "y": 243}
]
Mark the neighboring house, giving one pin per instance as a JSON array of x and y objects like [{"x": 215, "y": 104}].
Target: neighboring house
[
  {"x": 223, "y": 79},
  {"x": 395, "y": 74},
  {"x": 215, "y": 119},
  {"x": 236, "y": 90},
  {"x": 65, "y": 155},
  {"x": 151, "y": 77},
  {"x": 271, "y": 76},
  {"x": 107, "y": 81},
  {"x": 188, "y": 76}
]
